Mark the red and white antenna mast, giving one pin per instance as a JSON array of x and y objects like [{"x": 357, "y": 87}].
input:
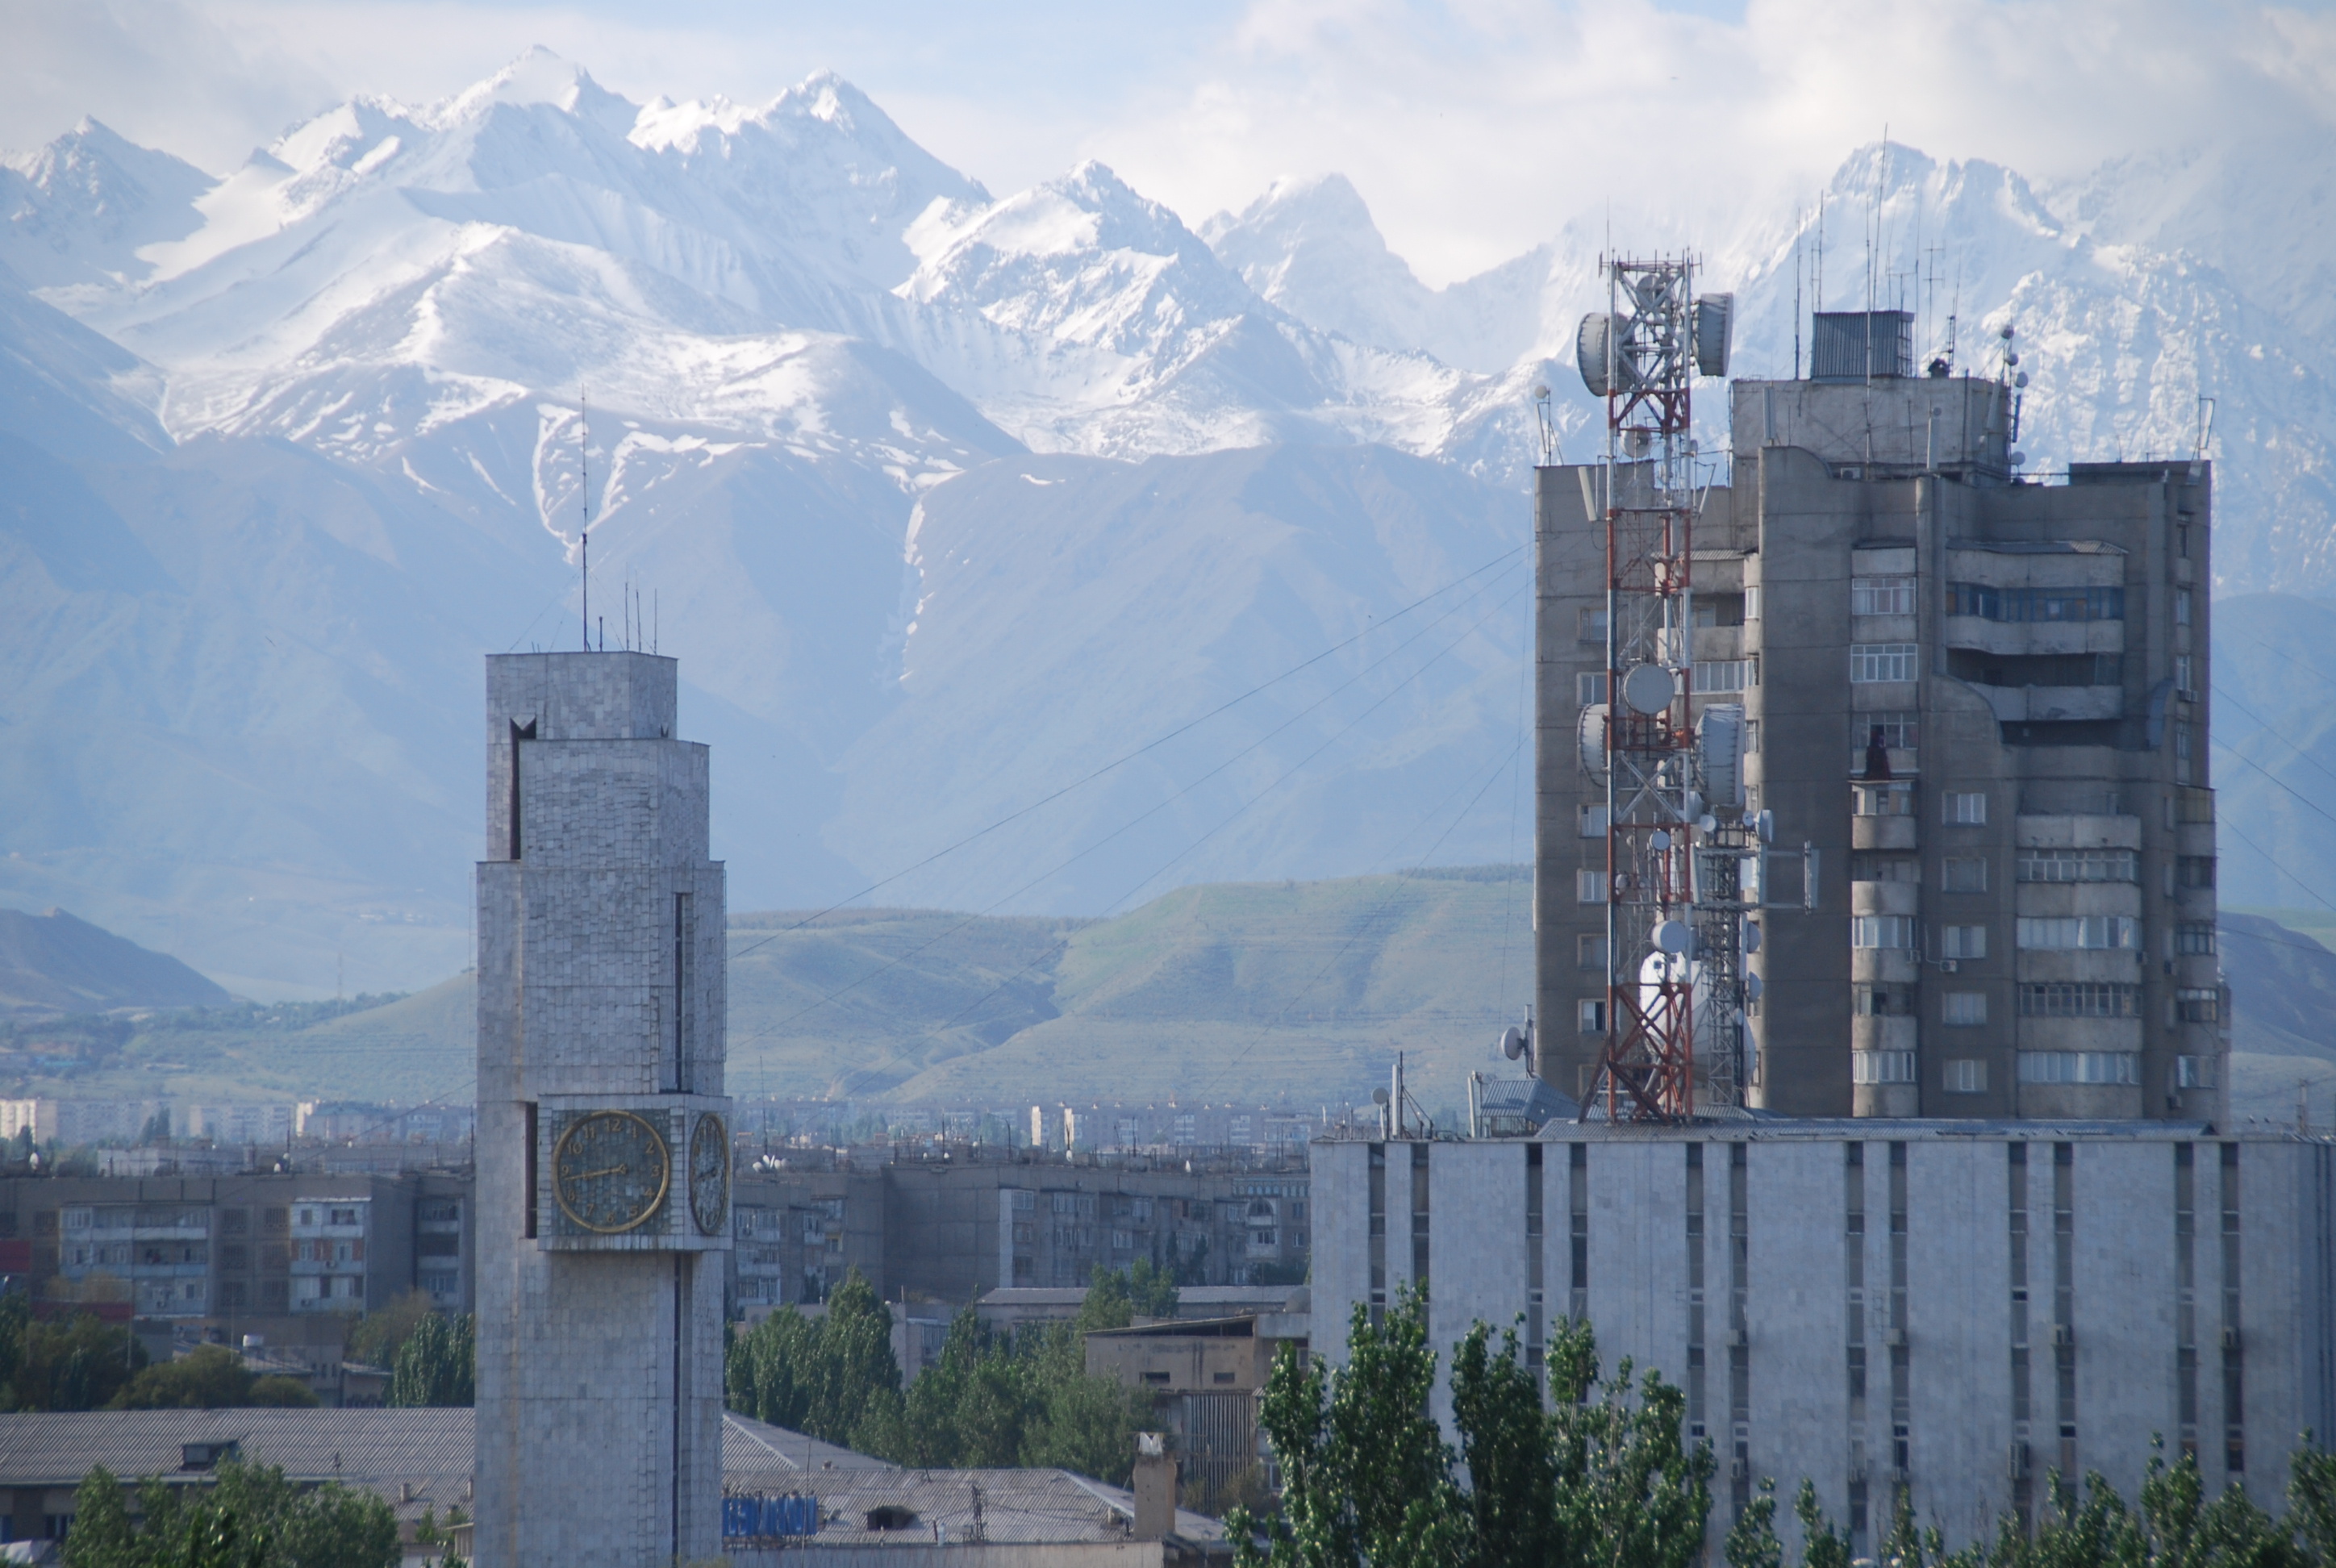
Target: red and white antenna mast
[{"x": 1677, "y": 844}]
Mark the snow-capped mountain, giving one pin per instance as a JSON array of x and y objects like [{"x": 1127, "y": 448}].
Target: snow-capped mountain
[{"x": 943, "y": 497}]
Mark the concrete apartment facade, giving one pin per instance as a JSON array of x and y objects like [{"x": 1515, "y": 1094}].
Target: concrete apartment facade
[
  {"x": 1952, "y": 1307},
  {"x": 242, "y": 1253},
  {"x": 1979, "y": 703}
]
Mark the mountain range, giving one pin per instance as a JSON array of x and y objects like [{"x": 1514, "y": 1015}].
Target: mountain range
[{"x": 1029, "y": 554}]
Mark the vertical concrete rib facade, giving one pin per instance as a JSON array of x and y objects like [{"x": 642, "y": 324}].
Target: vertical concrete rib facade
[
  {"x": 601, "y": 994},
  {"x": 1981, "y": 704},
  {"x": 1951, "y": 1308}
]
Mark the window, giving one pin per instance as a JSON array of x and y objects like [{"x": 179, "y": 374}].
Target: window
[
  {"x": 1899, "y": 727},
  {"x": 1881, "y": 931},
  {"x": 1881, "y": 1067},
  {"x": 1873, "y": 661},
  {"x": 2181, "y": 607},
  {"x": 2064, "y": 865},
  {"x": 2079, "y": 999},
  {"x": 1590, "y": 1015},
  {"x": 1724, "y": 674},
  {"x": 1965, "y": 809},
  {"x": 1875, "y": 868},
  {"x": 1593, "y": 820},
  {"x": 1752, "y": 602},
  {"x": 2194, "y": 1071},
  {"x": 1963, "y": 1009},
  {"x": 1966, "y": 1076},
  {"x": 1881, "y": 596},
  {"x": 1590, "y": 688},
  {"x": 1751, "y": 738},
  {"x": 1963, "y": 942},
  {"x": 2192, "y": 938},
  {"x": 1718, "y": 609},
  {"x": 2195, "y": 871},
  {"x": 1964, "y": 875},
  {"x": 1882, "y": 1001},
  {"x": 2197, "y": 1004},
  {"x": 2079, "y": 931},
  {"x": 2182, "y": 673},
  {"x": 2192, "y": 806},
  {"x": 2016, "y": 604},
  {"x": 1590, "y": 952},
  {"x": 1589, "y": 886},
  {"x": 2182, "y": 741},
  {"x": 1893, "y": 798},
  {"x": 2079, "y": 1067},
  {"x": 1590, "y": 625}
]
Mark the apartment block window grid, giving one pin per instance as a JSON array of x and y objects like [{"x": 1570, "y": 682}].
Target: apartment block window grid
[
  {"x": 1897, "y": 730},
  {"x": 1873, "y": 662},
  {"x": 1881, "y": 596}
]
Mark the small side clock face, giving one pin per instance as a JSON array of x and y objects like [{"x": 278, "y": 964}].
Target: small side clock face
[
  {"x": 609, "y": 1171},
  {"x": 709, "y": 1174}
]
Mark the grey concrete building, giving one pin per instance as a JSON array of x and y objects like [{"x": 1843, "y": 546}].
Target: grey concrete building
[
  {"x": 1954, "y": 1307},
  {"x": 603, "y": 1147},
  {"x": 242, "y": 1253},
  {"x": 1976, "y": 716}
]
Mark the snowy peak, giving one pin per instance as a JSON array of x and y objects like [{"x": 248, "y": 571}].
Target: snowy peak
[
  {"x": 539, "y": 77},
  {"x": 76, "y": 211},
  {"x": 1310, "y": 247}
]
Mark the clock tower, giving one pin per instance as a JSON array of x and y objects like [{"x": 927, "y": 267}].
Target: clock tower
[{"x": 603, "y": 1144}]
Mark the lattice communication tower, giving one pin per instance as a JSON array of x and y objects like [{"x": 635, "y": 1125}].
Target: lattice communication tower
[{"x": 1681, "y": 855}]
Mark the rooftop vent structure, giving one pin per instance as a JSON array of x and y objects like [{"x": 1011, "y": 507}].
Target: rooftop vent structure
[{"x": 1861, "y": 345}]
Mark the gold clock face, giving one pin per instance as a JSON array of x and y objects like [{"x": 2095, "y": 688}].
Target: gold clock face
[
  {"x": 609, "y": 1171},
  {"x": 709, "y": 1174}
]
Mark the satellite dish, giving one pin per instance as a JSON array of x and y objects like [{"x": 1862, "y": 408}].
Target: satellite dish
[
  {"x": 1676, "y": 938},
  {"x": 2011, "y": 356},
  {"x": 1752, "y": 988},
  {"x": 1593, "y": 346},
  {"x": 1720, "y": 746},
  {"x": 1513, "y": 1042},
  {"x": 1714, "y": 320},
  {"x": 2020, "y": 379},
  {"x": 2016, "y": 458},
  {"x": 2006, "y": 331},
  {"x": 1751, "y": 935},
  {"x": 1648, "y": 689},
  {"x": 1541, "y": 391},
  {"x": 1591, "y": 734},
  {"x": 1660, "y": 841},
  {"x": 1707, "y": 823},
  {"x": 1378, "y": 1097}
]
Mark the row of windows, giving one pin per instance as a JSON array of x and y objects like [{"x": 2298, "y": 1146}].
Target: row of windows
[
  {"x": 2049, "y": 933},
  {"x": 2072, "y": 865},
  {"x": 1969, "y": 1076},
  {"x": 2022, "y": 604},
  {"x": 1895, "y": 798},
  {"x": 2041, "y": 1000}
]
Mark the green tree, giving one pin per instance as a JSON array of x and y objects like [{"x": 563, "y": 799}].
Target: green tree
[
  {"x": 208, "y": 1377},
  {"x": 437, "y": 1364},
  {"x": 377, "y": 1337},
  {"x": 1367, "y": 1477},
  {"x": 2312, "y": 1500},
  {"x": 251, "y": 1516},
  {"x": 16, "y": 1318},
  {"x": 833, "y": 1377},
  {"x": 77, "y": 1365}
]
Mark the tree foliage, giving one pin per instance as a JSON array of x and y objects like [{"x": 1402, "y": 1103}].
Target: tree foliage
[
  {"x": 376, "y": 1338},
  {"x": 1598, "y": 1474},
  {"x": 437, "y": 1364},
  {"x": 988, "y": 1400},
  {"x": 79, "y": 1364},
  {"x": 208, "y": 1377},
  {"x": 250, "y": 1517}
]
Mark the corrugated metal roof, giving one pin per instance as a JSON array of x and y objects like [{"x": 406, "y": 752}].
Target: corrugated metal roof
[{"x": 1023, "y": 1506}]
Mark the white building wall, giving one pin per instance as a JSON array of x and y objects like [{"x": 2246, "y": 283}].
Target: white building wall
[{"x": 1958, "y": 1324}]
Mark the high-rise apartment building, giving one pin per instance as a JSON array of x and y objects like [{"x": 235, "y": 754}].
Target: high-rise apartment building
[{"x": 1976, "y": 713}]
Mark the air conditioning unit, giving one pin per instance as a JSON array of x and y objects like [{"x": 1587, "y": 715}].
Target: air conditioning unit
[
  {"x": 2064, "y": 1335},
  {"x": 1739, "y": 1469},
  {"x": 2229, "y": 1337},
  {"x": 1740, "y": 1338},
  {"x": 1897, "y": 1340},
  {"x": 1948, "y": 966},
  {"x": 2016, "y": 1462}
]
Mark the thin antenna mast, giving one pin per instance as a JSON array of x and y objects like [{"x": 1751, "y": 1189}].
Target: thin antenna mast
[
  {"x": 1800, "y": 234},
  {"x": 584, "y": 498}
]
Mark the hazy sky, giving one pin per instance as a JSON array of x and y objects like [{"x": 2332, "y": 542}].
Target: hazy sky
[{"x": 1474, "y": 128}]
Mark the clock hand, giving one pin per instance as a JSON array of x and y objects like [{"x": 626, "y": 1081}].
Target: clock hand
[{"x": 604, "y": 1170}]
